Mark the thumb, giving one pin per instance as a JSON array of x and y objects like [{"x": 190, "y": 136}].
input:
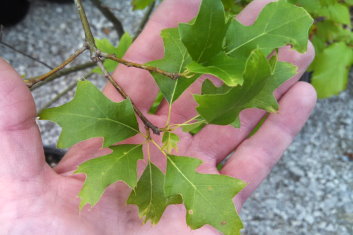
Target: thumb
[{"x": 21, "y": 150}]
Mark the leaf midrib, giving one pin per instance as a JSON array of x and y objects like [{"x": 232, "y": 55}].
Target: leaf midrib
[
  {"x": 208, "y": 37},
  {"x": 99, "y": 118},
  {"x": 192, "y": 185},
  {"x": 183, "y": 55},
  {"x": 264, "y": 33}
]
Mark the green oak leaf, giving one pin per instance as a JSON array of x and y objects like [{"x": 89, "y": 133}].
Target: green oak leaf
[
  {"x": 279, "y": 24},
  {"x": 207, "y": 198},
  {"x": 121, "y": 165},
  {"x": 104, "y": 45},
  {"x": 261, "y": 78},
  {"x": 170, "y": 141},
  {"x": 149, "y": 195},
  {"x": 91, "y": 114},
  {"x": 141, "y": 4},
  {"x": 204, "y": 38},
  {"x": 175, "y": 59},
  {"x": 331, "y": 69},
  {"x": 220, "y": 46}
]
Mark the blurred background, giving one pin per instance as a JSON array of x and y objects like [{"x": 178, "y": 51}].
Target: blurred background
[{"x": 310, "y": 191}]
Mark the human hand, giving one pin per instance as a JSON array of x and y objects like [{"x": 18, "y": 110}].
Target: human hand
[{"x": 39, "y": 200}]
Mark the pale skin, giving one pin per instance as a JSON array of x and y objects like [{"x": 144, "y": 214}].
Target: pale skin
[{"x": 36, "y": 199}]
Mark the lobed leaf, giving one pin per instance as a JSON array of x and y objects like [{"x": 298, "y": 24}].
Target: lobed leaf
[
  {"x": 204, "y": 36},
  {"x": 261, "y": 78},
  {"x": 104, "y": 171},
  {"x": 91, "y": 114},
  {"x": 149, "y": 195},
  {"x": 278, "y": 24},
  {"x": 204, "y": 39},
  {"x": 207, "y": 198}
]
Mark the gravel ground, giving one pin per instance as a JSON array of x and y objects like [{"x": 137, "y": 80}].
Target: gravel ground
[{"x": 310, "y": 191}]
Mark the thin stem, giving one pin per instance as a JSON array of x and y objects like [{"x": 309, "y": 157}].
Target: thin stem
[
  {"x": 148, "y": 133},
  {"x": 171, "y": 127},
  {"x": 34, "y": 81},
  {"x": 147, "y": 123},
  {"x": 24, "y": 54},
  {"x": 188, "y": 121},
  {"x": 86, "y": 27},
  {"x": 63, "y": 73},
  {"x": 169, "y": 115},
  {"x": 173, "y": 76},
  {"x": 148, "y": 151},
  {"x": 186, "y": 124},
  {"x": 110, "y": 16}
]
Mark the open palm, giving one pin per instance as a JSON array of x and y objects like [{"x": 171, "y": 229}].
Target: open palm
[{"x": 39, "y": 200}]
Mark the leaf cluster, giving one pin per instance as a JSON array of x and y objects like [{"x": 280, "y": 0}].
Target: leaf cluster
[
  {"x": 242, "y": 57},
  {"x": 332, "y": 37}
]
